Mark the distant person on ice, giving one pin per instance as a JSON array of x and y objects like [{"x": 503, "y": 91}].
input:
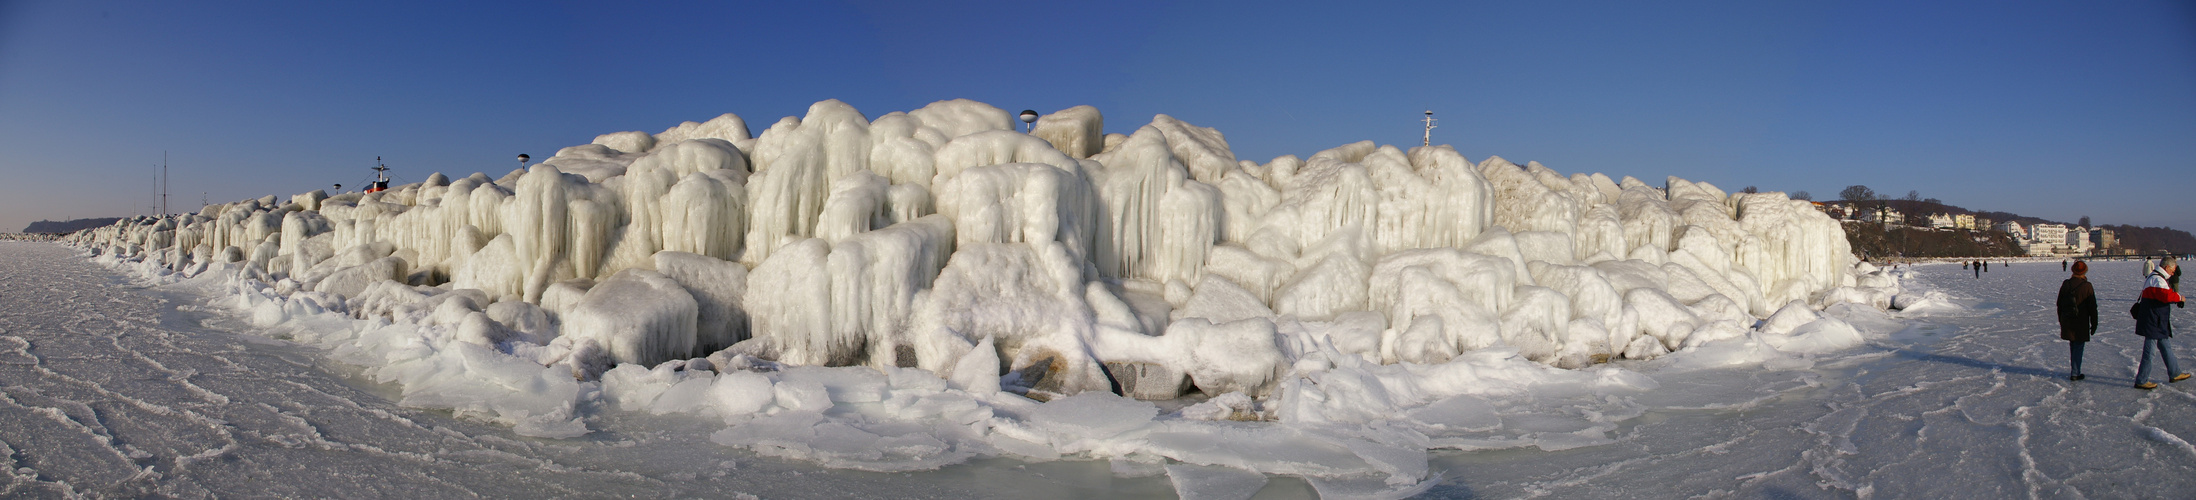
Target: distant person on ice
[
  {"x": 1978, "y": 268},
  {"x": 2077, "y": 315},
  {"x": 2175, "y": 279},
  {"x": 2155, "y": 323}
]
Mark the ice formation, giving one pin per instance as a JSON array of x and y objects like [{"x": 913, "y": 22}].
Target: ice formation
[{"x": 943, "y": 267}]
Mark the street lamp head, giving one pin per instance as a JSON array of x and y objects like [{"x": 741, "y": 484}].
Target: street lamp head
[
  {"x": 1029, "y": 116},
  {"x": 522, "y": 157}
]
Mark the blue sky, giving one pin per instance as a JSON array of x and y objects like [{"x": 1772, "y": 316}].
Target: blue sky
[{"x": 2048, "y": 109}]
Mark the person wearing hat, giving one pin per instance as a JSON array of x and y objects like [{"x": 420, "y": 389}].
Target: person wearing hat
[
  {"x": 2155, "y": 323},
  {"x": 2077, "y": 315}
]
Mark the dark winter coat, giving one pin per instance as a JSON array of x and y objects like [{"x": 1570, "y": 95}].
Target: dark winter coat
[
  {"x": 2153, "y": 318},
  {"x": 2077, "y": 310}
]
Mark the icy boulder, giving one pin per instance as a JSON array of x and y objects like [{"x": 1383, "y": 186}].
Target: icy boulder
[
  {"x": 1333, "y": 286},
  {"x": 1441, "y": 302},
  {"x": 1239, "y": 356},
  {"x": 727, "y": 127},
  {"x": 1027, "y": 298},
  {"x": 627, "y": 142},
  {"x": 790, "y": 304},
  {"x": 1824, "y": 334},
  {"x": 638, "y": 316},
  {"x": 1092, "y": 415},
  {"x": 1220, "y": 301},
  {"x": 1159, "y": 224},
  {"x": 596, "y": 162},
  {"x": 354, "y": 279},
  {"x": 959, "y": 117},
  {"x": 716, "y": 286},
  {"x": 1078, "y": 131}
]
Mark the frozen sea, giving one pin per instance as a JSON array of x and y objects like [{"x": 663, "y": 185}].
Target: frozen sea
[{"x": 111, "y": 388}]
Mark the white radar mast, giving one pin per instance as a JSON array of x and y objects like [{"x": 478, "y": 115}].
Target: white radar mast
[{"x": 1429, "y": 141}]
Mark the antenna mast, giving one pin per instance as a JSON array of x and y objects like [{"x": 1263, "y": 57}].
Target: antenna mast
[
  {"x": 1429, "y": 129},
  {"x": 163, "y": 183}
]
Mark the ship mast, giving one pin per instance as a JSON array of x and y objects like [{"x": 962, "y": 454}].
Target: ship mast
[{"x": 381, "y": 177}]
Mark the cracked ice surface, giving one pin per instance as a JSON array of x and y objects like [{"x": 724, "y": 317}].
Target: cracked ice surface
[
  {"x": 115, "y": 390},
  {"x": 1969, "y": 401}
]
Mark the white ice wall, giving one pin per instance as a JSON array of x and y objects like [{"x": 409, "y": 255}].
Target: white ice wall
[{"x": 913, "y": 239}]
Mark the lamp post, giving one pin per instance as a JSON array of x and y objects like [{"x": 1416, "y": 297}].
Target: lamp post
[
  {"x": 1029, "y": 120},
  {"x": 522, "y": 160}
]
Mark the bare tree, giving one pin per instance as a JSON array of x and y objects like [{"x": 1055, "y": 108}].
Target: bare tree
[
  {"x": 2085, "y": 221},
  {"x": 1913, "y": 196},
  {"x": 1857, "y": 193},
  {"x": 1750, "y": 190},
  {"x": 1802, "y": 195}
]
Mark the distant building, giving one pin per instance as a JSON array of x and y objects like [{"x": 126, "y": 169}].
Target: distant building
[
  {"x": 1983, "y": 223},
  {"x": 1831, "y": 209},
  {"x": 1965, "y": 221},
  {"x": 2052, "y": 235},
  {"x": 2104, "y": 239},
  {"x": 1942, "y": 221},
  {"x": 2012, "y": 228},
  {"x": 1885, "y": 214},
  {"x": 2078, "y": 240},
  {"x": 1835, "y": 211}
]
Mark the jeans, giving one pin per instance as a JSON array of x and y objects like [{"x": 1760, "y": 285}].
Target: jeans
[
  {"x": 2076, "y": 349},
  {"x": 2142, "y": 369}
]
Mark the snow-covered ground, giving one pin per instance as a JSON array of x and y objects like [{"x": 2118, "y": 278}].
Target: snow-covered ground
[
  {"x": 112, "y": 388},
  {"x": 1965, "y": 402}
]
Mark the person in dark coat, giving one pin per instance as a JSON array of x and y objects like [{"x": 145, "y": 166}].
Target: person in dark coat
[
  {"x": 2077, "y": 315},
  {"x": 1977, "y": 265},
  {"x": 2155, "y": 323},
  {"x": 2174, "y": 281}
]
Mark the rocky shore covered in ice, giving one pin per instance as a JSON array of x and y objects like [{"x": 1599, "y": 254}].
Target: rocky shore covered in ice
[{"x": 933, "y": 286}]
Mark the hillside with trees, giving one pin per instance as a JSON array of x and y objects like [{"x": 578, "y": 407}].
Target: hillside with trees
[
  {"x": 2149, "y": 240},
  {"x": 1912, "y": 236},
  {"x": 55, "y": 227}
]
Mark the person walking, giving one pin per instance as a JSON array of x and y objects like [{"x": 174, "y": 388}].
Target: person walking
[
  {"x": 2062, "y": 265},
  {"x": 2077, "y": 316},
  {"x": 2155, "y": 323},
  {"x": 2174, "y": 281},
  {"x": 1978, "y": 268}
]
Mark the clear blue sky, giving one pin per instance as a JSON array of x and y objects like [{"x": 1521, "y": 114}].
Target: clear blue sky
[{"x": 2047, "y": 109}]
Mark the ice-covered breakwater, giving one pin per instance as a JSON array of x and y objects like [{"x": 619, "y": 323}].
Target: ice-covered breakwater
[{"x": 940, "y": 244}]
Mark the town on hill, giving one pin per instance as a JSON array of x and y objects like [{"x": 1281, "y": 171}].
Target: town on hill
[{"x": 1915, "y": 227}]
